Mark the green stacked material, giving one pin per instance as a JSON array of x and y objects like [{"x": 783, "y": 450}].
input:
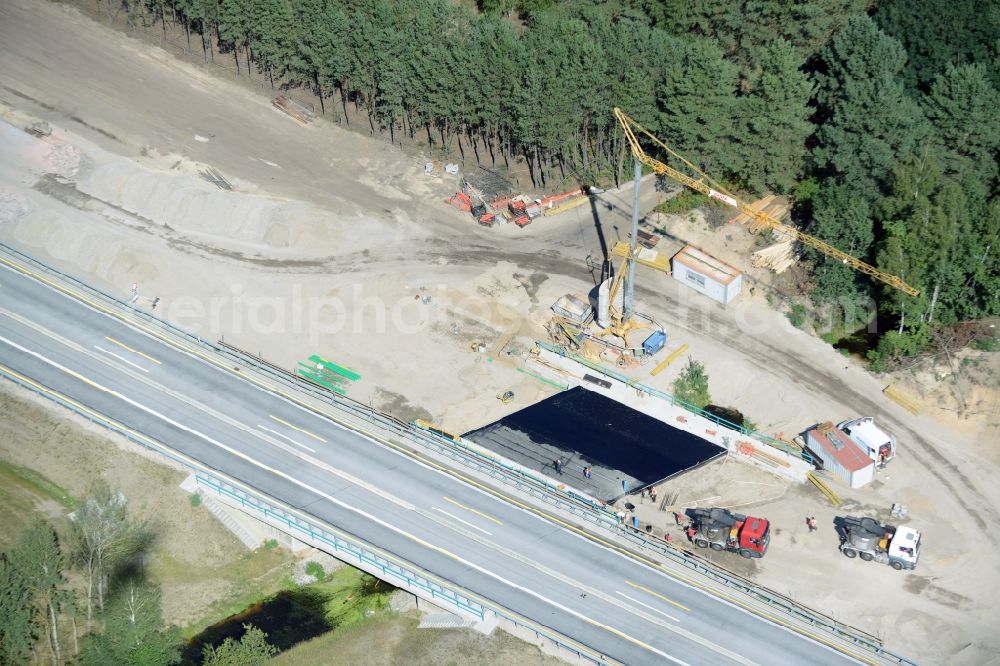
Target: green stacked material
[
  {"x": 325, "y": 379},
  {"x": 337, "y": 369}
]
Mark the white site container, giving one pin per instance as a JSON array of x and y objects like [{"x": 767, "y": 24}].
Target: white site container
[{"x": 706, "y": 274}]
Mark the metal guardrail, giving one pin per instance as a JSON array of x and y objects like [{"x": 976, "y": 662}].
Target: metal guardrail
[
  {"x": 548, "y": 493},
  {"x": 537, "y": 487},
  {"x": 674, "y": 400},
  {"x": 340, "y": 544}
]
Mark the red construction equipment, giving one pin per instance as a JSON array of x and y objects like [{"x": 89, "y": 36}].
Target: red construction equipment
[
  {"x": 721, "y": 529},
  {"x": 460, "y": 201}
]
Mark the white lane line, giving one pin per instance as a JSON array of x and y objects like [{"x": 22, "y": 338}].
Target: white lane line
[
  {"x": 655, "y": 610},
  {"x": 464, "y": 522},
  {"x": 348, "y": 507},
  {"x": 275, "y": 432},
  {"x": 121, "y": 358}
]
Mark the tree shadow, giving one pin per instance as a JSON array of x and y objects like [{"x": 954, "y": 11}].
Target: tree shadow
[{"x": 288, "y": 618}]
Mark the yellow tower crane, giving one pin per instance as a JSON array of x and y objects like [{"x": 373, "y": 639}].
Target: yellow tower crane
[{"x": 761, "y": 221}]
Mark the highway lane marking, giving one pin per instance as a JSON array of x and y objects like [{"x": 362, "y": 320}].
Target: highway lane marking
[
  {"x": 475, "y": 511},
  {"x": 348, "y": 507},
  {"x": 134, "y": 351},
  {"x": 293, "y": 427},
  {"x": 286, "y": 437},
  {"x": 464, "y": 522},
  {"x": 314, "y": 410},
  {"x": 63, "y": 368},
  {"x": 121, "y": 358},
  {"x": 196, "y": 464},
  {"x": 655, "y": 610},
  {"x": 656, "y": 594}
]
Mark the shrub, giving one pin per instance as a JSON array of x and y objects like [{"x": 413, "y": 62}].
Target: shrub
[
  {"x": 315, "y": 569},
  {"x": 797, "y": 315},
  {"x": 195, "y": 499},
  {"x": 692, "y": 385},
  {"x": 987, "y": 343}
]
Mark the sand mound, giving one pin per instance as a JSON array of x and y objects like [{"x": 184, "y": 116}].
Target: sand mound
[
  {"x": 102, "y": 253},
  {"x": 193, "y": 207}
]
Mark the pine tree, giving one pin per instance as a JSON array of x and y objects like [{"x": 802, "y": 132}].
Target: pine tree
[
  {"x": 773, "y": 124},
  {"x": 867, "y": 121},
  {"x": 697, "y": 99},
  {"x": 938, "y": 34},
  {"x": 964, "y": 109},
  {"x": 843, "y": 219},
  {"x": 19, "y": 625},
  {"x": 35, "y": 565}
]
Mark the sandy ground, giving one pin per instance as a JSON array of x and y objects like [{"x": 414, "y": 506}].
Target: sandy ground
[{"x": 335, "y": 244}]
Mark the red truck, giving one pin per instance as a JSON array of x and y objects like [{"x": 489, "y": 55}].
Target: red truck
[{"x": 721, "y": 529}]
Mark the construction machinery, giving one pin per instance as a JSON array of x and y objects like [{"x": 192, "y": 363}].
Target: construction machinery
[
  {"x": 761, "y": 221},
  {"x": 721, "y": 529},
  {"x": 878, "y": 444},
  {"x": 899, "y": 547}
]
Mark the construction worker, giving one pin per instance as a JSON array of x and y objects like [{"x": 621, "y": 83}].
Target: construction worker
[
  {"x": 691, "y": 531},
  {"x": 811, "y": 522},
  {"x": 668, "y": 538},
  {"x": 652, "y": 495}
]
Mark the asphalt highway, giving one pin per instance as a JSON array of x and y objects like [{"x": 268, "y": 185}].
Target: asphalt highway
[{"x": 550, "y": 574}]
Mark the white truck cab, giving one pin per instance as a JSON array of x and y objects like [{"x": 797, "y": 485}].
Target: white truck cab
[
  {"x": 904, "y": 549},
  {"x": 880, "y": 446}
]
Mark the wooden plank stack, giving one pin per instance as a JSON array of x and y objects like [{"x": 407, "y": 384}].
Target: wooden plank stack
[
  {"x": 774, "y": 206},
  {"x": 777, "y": 257},
  {"x": 293, "y": 109}
]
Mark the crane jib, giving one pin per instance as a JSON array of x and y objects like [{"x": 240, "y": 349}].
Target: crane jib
[
  {"x": 723, "y": 197},
  {"x": 762, "y": 220}
]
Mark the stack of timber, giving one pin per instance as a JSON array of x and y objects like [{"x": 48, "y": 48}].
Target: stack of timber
[
  {"x": 294, "y": 109},
  {"x": 777, "y": 257}
]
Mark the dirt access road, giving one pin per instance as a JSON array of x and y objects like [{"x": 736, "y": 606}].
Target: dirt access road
[{"x": 355, "y": 214}]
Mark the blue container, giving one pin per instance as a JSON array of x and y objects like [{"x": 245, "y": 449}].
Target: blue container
[{"x": 654, "y": 343}]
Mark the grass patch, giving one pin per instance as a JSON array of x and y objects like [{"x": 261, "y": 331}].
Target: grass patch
[
  {"x": 37, "y": 483},
  {"x": 797, "y": 315},
  {"x": 195, "y": 499},
  {"x": 353, "y": 596},
  {"x": 988, "y": 343},
  {"x": 315, "y": 569},
  {"x": 684, "y": 201},
  {"x": 252, "y": 578}
]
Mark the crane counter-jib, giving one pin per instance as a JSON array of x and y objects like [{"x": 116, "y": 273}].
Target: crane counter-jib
[{"x": 714, "y": 190}]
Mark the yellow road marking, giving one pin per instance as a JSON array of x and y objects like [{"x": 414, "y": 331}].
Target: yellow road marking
[
  {"x": 435, "y": 465},
  {"x": 293, "y": 427},
  {"x": 622, "y": 634},
  {"x": 195, "y": 464},
  {"x": 475, "y": 511},
  {"x": 657, "y": 594},
  {"x": 134, "y": 351}
]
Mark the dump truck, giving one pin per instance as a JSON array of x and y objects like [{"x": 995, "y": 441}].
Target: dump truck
[
  {"x": 721, "y": 529},
  {"x": 899, "y": 547}
]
